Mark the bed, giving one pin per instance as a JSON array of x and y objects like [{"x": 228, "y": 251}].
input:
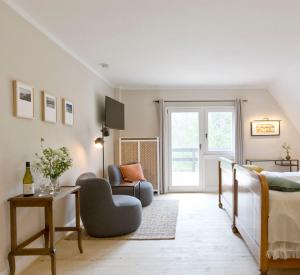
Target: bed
[{"x": 263, "y": 217}]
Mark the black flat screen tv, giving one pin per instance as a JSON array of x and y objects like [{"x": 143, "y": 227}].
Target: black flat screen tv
[{"x": 114, "y": 114}]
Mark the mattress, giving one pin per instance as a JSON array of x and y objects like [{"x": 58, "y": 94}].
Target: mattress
[{"x": 284, "y": 220}]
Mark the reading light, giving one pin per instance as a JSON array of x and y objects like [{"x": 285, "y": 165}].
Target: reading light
[{"x": 99, "y": 142}]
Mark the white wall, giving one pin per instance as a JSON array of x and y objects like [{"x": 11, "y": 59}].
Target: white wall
[
  {"x": 141, "y": 116},
  {"x": 28, "y": 55}
]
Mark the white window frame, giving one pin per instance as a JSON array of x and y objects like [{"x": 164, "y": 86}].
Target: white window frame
[{"x": 219, "y": 109}]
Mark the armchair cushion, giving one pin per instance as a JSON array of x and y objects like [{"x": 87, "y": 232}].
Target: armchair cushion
[{"x": 132, "y": 172}]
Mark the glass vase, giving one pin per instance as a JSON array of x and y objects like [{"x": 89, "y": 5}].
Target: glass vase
[{"x": 54, "y": 186}]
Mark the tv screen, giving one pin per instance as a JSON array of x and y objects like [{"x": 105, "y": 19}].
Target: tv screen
[{"x": 114, "y": 114}]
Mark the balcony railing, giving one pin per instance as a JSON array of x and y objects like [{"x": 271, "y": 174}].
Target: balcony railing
[{"x": 185, "y": 156}]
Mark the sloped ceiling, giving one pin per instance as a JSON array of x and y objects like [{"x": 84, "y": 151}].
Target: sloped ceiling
[
  {"x": 180, "y": 43},
  {"x": 286, "y": 91}
]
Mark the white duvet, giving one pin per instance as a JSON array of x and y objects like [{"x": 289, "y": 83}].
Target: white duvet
[{"x": 284, "y": 220}]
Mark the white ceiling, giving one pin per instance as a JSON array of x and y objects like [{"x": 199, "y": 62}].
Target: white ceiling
[{"x": 176, "y": 43}]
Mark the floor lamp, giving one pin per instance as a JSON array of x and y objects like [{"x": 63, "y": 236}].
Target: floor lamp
[{"x": 99, "y": 142}]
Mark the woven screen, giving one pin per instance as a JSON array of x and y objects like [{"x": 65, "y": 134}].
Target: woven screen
[
  {"x": 148, "y": 159},
  {"x": 129, "y": 152}
]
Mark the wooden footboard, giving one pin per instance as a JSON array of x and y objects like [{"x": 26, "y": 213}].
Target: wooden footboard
[
  {"x": 226, "y": 187},
  {"x": 251, "y": 217},
  {"x": 252, "y": 208}
]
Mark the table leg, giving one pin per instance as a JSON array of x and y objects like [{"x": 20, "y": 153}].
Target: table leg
[
  {"x": 77, "y": 203},
  {"x": 46, "y": 233},
  {"x": 12, "y": 263},
  {"x": 51, "y": 234},
  {"x": 13, "y": 236}
]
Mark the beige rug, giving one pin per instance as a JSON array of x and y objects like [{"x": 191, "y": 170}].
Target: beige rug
[{"x": 158, "y": 223}]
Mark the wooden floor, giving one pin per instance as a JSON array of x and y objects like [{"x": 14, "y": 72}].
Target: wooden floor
[{"x": 204, "y": 244}]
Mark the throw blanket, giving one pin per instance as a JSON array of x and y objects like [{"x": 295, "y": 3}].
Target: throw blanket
[{"x": 284, "y": 219}]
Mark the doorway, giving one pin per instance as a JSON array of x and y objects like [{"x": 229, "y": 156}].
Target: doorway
[{"x": 197, "y": 137}]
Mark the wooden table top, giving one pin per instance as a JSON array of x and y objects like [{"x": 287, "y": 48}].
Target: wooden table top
[
  {"x": 268, "y": 160},
  {"x": 64, "y": 191}
]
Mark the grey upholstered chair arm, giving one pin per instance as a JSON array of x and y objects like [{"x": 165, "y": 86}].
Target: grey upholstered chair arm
[{"x": 114, "y": 174}]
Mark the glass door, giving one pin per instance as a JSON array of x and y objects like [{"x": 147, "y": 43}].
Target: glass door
[{"x": 185, "y": 149}]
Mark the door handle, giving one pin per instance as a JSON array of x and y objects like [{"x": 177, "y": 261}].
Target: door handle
[{"x": 200, "y": 146}]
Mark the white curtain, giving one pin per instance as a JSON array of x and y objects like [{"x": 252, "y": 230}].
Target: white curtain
[
  {"x": 161, "y": 111},
  {"x": 239, "y": 132}
]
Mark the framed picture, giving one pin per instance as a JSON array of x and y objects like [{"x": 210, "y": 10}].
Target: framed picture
[
  {"x": 68, "y": 112},
  {"x": 265, "y": 128},
  {"x": 23, "y": 100},
  {"x": 49, "y": 107}
]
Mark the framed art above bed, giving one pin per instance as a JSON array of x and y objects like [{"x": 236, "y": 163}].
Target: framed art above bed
[{"x": 265, "y": 128}]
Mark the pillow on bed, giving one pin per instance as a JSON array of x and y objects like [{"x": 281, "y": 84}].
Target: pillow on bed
[
  {"x": 282, "y": 184},
  {"x": 254, "y": 168}
]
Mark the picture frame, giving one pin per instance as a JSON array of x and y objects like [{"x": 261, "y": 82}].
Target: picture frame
[
  {"x": 23, "y": 100},
  {"x": 49, "y": 107},
  {"x": 265, "y": 128},
  {"x": 67, "y": 112}
]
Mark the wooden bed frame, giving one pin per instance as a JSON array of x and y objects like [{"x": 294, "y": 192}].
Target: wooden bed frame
[
  {"x": 249, "y": 207},
  {"x": 226, "y": 188}
]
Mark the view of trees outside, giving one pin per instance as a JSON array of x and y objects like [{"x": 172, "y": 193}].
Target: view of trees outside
[
  {"x": 220, "y": 131},
  {"x": 185, "y": 137},
  {"x": 185, "y": 141}
]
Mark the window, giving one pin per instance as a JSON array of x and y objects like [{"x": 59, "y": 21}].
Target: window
[{"x": 220, "y": 131}]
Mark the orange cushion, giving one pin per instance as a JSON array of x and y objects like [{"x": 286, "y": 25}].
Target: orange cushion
[{"x": 132, "y": 172}]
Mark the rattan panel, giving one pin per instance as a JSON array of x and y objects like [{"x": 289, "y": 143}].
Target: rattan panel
[
  {"x": 148, "y": 159},
  {"x": 129, "y": 152}
]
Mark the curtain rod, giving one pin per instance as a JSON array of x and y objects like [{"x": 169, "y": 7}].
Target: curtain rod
[{"x": 190, "y": 101}]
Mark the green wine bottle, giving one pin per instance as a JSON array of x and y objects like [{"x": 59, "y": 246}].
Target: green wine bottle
[{"x": 28, "y": 185}]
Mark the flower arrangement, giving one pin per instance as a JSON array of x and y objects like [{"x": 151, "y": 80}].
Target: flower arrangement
[
  {"x": 52, "y": 163},
  {"x": 287, "y": 149}
]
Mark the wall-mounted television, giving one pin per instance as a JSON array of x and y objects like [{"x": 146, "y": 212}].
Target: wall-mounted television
[{"x": 114, "y": 114}]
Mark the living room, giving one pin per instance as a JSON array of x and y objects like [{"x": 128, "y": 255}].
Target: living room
[{"x": 137, "y": 102}]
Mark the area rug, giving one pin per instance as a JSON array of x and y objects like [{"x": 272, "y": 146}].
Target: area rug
[{"x": 158, "y": 223}]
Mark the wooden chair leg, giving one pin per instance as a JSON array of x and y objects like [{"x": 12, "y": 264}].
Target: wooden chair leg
[{"x": 12, "y": 263}]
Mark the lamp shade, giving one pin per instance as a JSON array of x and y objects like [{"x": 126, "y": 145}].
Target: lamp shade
[{"x": 99, "y": 141}]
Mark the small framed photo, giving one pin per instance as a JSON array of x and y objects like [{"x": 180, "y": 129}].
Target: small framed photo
[
  {"x": 49, "y": 107},
  {"x": 68, "y": 112},
  {"x": 23, "y": 100},
  {"x": 265, "y": 128}
]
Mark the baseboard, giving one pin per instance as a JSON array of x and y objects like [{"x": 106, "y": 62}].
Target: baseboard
[{"x": 24, "y": 262}]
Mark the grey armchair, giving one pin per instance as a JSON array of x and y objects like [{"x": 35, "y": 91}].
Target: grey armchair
[
  {"x": 104, "y": 214},
  {"x": 115, "y": 178}
]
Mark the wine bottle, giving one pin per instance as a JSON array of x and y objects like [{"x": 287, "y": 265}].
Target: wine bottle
[{"x": 28, "y": 185}]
